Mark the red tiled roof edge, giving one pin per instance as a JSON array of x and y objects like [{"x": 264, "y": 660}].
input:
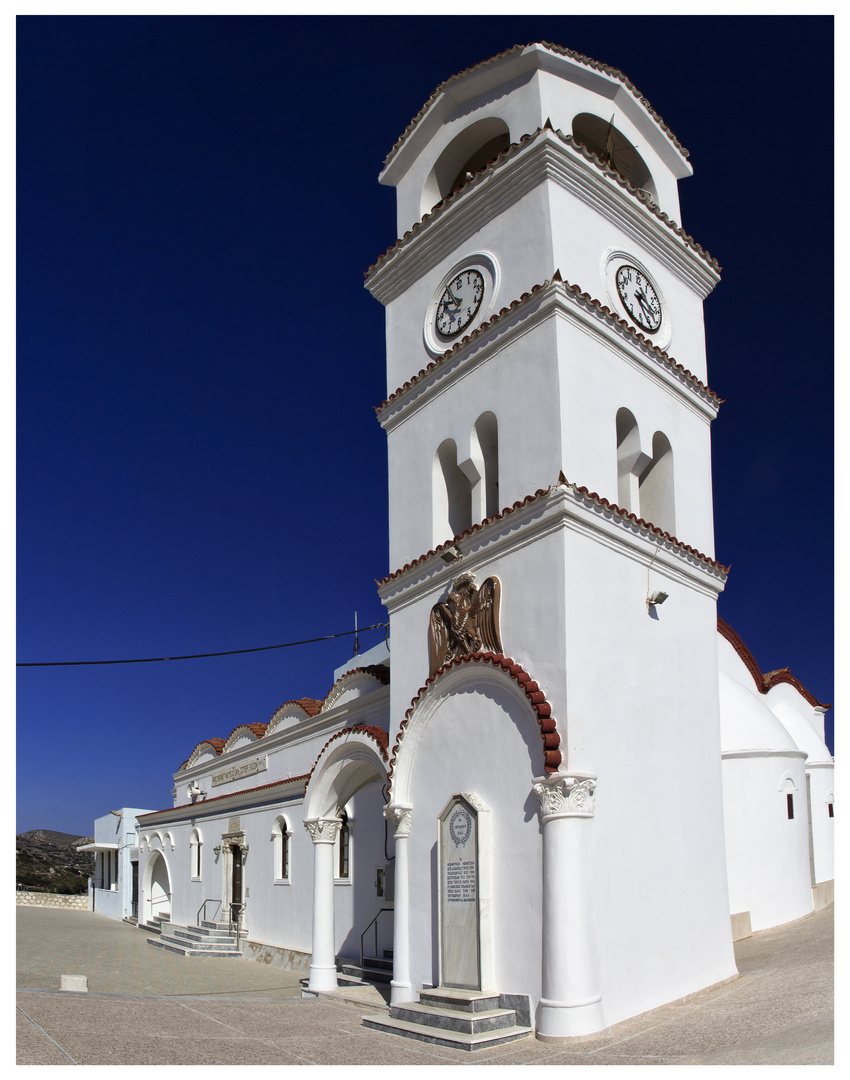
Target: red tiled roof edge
[
  {"x": 557, "y": 280},
  {"x": 772, "y": 678},
  {"x": 378, "y": 671},
  {"x": 638, "y": 193},
  {"x": 311, "y": 706},
  {"x": 561, "y": 50},
  {"x": 217, "y": 798},
  {"x": 377, "y": 733},
  {"x": 562, "y": 482},
  {"x": 537, "y": 699}
]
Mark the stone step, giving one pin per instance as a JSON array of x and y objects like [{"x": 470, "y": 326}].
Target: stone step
[
  {"x": 472, "y": 1023},
  {"x": 361, "y": 972},
  {"x": 446, "y": 997},
  {"x": 457, "y": 1040},
  {"x": 185, "y": 949}
]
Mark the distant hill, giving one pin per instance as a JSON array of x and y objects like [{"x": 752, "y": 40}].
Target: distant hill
[{"x": 48, "y": 861}]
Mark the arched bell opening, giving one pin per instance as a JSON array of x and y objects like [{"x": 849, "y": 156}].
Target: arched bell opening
[
  {"x": 475, "y": 147},
  {"x": 612, "y": 148}
]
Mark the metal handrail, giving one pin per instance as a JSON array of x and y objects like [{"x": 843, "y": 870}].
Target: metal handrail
[
  {"x": 235, "y": 911},
  {"x": 203, "y": 908},
  {"x": 374, "y": 923}
]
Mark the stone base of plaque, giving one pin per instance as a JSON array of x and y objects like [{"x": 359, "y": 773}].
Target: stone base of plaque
[{"x": 461, "y": 1019}]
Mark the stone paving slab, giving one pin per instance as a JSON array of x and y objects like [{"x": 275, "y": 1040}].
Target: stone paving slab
[{"x": 149, "y": 1007}]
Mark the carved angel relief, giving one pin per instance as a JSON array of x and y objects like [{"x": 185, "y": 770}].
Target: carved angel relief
[{"x": 467, "y": 622}]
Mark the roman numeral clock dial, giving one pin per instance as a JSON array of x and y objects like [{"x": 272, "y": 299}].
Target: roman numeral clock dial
[
  {"x": 459, "y": 303},
  {"x": 639, "y": 298}
]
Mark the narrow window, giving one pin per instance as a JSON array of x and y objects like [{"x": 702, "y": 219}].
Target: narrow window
[
  {"x": 344, "y": 846},
  {"x": 829, "y": 809},
  {"x": 790, "y": 800},
  {"x": 195, "y": 861},
  {"x": 284, "y": 854}
]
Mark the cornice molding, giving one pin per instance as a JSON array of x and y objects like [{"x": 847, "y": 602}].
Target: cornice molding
[
  {"x": 544, "y": 155},
  {"x": 553, "y": 297},
  {"x": 564, "y": 505}
]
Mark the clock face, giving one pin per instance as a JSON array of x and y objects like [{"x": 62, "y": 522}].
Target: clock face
[
  {"x": 459, "y": 303},
  {"x": 639, "y": 297}
]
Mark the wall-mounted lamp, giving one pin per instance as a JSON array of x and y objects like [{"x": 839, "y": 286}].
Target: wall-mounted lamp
[
  {"x": 656, "y": 598},
  {"x": 217, "y": 850},
  {"x": 450, "y": 553}
]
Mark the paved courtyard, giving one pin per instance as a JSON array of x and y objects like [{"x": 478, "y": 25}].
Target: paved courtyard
[{"x": 145, "y": 1006}]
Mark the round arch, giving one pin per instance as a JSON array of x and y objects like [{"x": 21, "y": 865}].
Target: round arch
[
  {"x": 485, "y": 672},
  {"x": 156, "y": 888},
  {"x": 469, "y": 151},
  {"x": 348, "y": 762}
]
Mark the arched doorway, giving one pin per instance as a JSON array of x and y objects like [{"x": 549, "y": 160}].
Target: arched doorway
[
  {"x": 344, "y": 818},
  {"x": 157, "y": 890}
]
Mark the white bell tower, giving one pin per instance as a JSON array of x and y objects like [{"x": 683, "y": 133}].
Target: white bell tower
[{"x": 548, "y": 422}]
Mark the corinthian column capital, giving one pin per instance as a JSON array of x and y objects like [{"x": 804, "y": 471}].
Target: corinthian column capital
[
  {"x": 402, "y": 819},
  {"x": 323, "y": 830},
  {"x": 565, "y": 795}
]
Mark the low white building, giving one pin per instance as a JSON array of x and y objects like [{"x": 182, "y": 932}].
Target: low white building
[
  {"x": 114, "y": 887},
  {"x": 571, "y": 780}
]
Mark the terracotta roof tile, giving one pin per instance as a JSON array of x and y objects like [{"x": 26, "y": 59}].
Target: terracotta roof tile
[
  {"x": 589, "y": 301},
  {"x": 542, "y": 493},
  {"x": 549, "y": 735},
  {"x": 579, "y": 57},
  {"x": 765, "y": 682},
  {"x": 471, "y": 180}
]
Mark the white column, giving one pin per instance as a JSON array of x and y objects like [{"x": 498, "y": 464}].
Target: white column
[
  {"x": 401, "y": 987},
  {"x": 323, "y": 833},
  {"x": 571, "y": 1003}
]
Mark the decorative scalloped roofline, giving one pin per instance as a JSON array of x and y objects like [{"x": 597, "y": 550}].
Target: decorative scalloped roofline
[
  {"x": 556, "y": 280},
  {"x": 560, "y": 50},
  {"x": 257, "y": 730},
  {"x": 536, "y": 698},
  {"x": 499, "y": 160},
  {"x": 542, "y": 493},
  {"x": 379, "y": 672},
  {"x": 372, "y": 730},
  {"x": 765, "y": 682}
]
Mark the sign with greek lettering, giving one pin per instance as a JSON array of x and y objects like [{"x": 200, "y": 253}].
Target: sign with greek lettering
[
  {"x": 248, "y": 768},
  {"x": 459, "y": 930}
]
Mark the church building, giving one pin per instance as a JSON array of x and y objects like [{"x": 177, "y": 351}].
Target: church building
[{"x": 563, "y": 788}]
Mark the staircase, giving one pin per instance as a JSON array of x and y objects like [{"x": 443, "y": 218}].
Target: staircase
[
  {"x": 208, "y": 939},
  {"x": 461, "y": 1019},
  {"x": 371, "y": 969}
]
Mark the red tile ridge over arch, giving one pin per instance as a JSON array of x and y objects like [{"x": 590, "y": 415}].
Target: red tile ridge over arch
[
  {"x": 589, "y": 301},
  {"x": 597, "y": 65},
  {"x": 638, "y": 193},
  {"x": 536, "y": 698},
  {"x": 541, "y": 493},
  {"x": 765, "y": 682},
  {"x": 372, "y": 730}
]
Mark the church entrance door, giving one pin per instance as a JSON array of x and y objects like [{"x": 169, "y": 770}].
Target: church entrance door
[{"x": 236, "y": 879}]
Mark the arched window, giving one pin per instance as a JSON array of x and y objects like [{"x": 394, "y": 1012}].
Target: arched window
[
  {"x": 343, "y": 843},
  {"x": 631, "y": 462},
  {"x": 475, "y": 147},
  {"x": 613, "y": 149},
  {"x": 484, "y": 454},
  {"x": 281, "y": 834},
  {"x": 656, "y": 486},
  {"x": 195, "y": 845},
  {"x": 451, "y": 494}
]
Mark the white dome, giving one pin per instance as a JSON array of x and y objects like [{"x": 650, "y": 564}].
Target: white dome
[{"x": 746, "y": 723}]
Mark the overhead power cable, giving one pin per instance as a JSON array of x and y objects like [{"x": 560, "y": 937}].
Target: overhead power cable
[{"x": 199, "y": 656}]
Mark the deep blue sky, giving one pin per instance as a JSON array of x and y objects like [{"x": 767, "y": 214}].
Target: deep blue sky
[{"x": 200, "y": 468}]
